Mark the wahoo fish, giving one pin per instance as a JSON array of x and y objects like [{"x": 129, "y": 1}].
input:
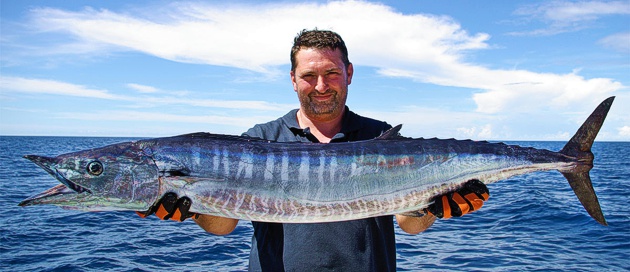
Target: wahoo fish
[{"x": 252, "y": 179}]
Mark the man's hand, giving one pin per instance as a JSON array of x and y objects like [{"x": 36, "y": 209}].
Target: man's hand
[
  {"x": 465, "y": 200},
  {"x": 171, "y": 207}
]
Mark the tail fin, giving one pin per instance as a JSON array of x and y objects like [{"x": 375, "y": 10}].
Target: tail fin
[{"x": 580, "y": 147}]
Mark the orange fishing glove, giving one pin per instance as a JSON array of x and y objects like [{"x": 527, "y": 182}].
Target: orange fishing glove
[
  {"x": 465, "y": 200},
  {"x": 171, "y": 207}
]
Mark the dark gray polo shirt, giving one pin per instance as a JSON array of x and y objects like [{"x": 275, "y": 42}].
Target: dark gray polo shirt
[{"x": 358, "y": 245}]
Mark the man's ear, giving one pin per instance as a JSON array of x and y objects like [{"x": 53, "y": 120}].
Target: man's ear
[
  {"x": 350, "y": 72},
  {"x": 292, "y": 73}
]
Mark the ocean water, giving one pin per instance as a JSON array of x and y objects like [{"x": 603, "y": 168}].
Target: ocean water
[{"x": 531, "y": 222}]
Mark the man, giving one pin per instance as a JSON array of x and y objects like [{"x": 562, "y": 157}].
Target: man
[{"x": 321, "y": 73}]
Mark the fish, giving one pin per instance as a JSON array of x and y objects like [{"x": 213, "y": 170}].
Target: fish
[{"x": 289, "y": 182}]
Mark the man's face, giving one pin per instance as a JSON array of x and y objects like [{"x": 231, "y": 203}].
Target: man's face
[{"x": 321, "y": 81}]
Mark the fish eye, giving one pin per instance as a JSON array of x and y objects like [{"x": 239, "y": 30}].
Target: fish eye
[{"x": 95, "y": 168}]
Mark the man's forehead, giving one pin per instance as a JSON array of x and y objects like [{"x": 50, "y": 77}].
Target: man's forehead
[
  {"x": 307, "y": 55},
  {"x": 322, "y": 51}
]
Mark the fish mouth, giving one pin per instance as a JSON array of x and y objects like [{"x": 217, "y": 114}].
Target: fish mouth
[
  {"x": 67, "y": 186},
  {"x": 44, "y": 197}
]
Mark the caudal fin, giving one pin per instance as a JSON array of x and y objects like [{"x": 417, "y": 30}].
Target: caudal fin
[{"x": 580, "y": 147}]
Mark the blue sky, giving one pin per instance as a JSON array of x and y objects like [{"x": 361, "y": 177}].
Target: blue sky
[{"x": 495, "y": 70}]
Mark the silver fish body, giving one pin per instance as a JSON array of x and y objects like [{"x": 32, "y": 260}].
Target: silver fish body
[
  {"x": 251, "y": 179},
  {"x": 295, "y": 182}
]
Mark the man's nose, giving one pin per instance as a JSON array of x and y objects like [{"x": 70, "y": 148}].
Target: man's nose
[{"x": 322, "y": 84}]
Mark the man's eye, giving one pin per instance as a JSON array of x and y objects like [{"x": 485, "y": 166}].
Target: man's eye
[{"x": 334, "y": 73}]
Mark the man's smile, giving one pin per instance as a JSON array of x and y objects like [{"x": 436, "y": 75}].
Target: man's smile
[{"x": 328, "y": 95}]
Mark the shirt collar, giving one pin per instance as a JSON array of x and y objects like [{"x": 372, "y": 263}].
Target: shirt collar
[{"x": 349, "y": 122}]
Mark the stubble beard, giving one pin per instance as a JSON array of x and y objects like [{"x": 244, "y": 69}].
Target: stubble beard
[{"x": 322, "y": 110}]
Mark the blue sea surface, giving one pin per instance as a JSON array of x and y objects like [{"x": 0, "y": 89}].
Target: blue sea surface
[{"x": 531, "y": 222}]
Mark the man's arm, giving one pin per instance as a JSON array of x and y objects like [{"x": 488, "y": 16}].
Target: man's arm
[
  {"x": 215, "y": 224},
  {"x": 415, "y": 225},
  {"x": 172, "y": 207},
  {"x": 467, "y": 199}
]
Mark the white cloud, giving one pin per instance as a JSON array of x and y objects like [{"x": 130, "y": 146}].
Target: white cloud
[
  {"x": 624, "y": 131},
  {"x": 44, "y": 86},
  {"x": 427, "y": 49},
  {"x": 441, "y": 123},
  {"x": 226, "y": 104},
  {"x": 564, "y": 16},
  {"x": 529, "y": 91},
  {"x": 483, "y": 132},
  {"x": 189, "y": 33},
  {"x": 571, "y": 11},
  {"x": 558, "y": 136},
  {"x": 517, "y": 90},
  {"x": 146, "y": 99},
  {"x": 144, "y": 116},
  {"x": 619, "y": 42},
  {"x": 142, "y": 88},
  {"x": 258, "y": 37},
  {"x": 145, "y": 89}
]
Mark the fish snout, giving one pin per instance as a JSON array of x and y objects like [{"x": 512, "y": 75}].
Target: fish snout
[{"x": 45, "y": 163}]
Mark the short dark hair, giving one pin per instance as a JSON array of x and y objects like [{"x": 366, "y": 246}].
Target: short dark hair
[{"x": 319, "y": 39}]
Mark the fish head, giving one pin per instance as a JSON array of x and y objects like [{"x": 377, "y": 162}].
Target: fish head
[{"x": 115, "y": 177}]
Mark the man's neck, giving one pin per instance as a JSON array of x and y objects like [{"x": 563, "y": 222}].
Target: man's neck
[{"x": 323, "y": 130}]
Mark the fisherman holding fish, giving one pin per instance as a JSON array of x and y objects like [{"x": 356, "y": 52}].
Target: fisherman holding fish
[
  {"x": 332, "y": 205},
  {"x": 321, "y": 73}
]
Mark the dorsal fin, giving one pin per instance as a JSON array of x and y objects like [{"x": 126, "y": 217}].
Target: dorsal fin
[{"x": 392, "y": 133}]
